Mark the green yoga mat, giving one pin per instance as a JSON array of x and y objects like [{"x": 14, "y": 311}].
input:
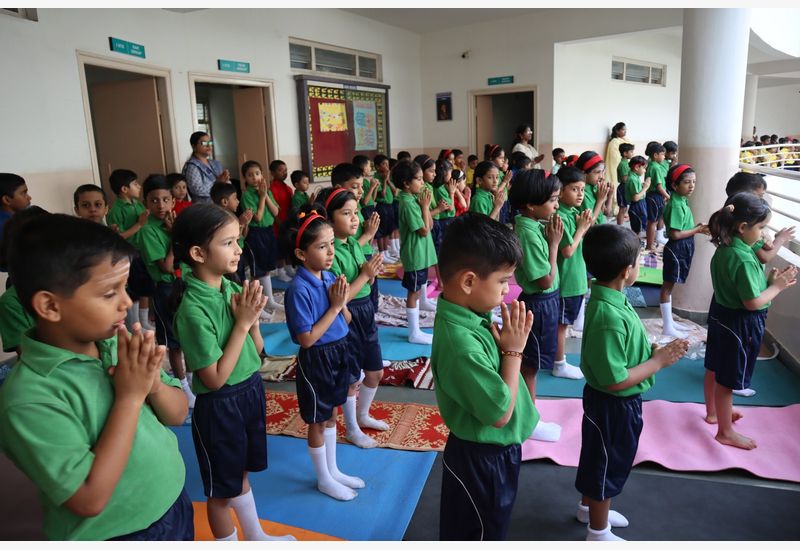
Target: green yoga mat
[
  {"x": 775, "y": 385},
  {"x": 650, "y": 276}
]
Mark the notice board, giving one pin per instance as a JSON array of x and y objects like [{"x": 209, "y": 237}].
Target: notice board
[{"x": 338, "y": 120}]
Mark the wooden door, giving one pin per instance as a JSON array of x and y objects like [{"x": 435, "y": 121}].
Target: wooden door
[
  {"x": 250, "y": 117},
  {"x": 127, "y": 127},
  {"x": 483, "y": 122}
]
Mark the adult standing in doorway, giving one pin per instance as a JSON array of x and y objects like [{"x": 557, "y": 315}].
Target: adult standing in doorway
[
  {"x": 613, "y": 157},
  {"x": 522, "y": 142},
  {"x": 201, "y": 171}
]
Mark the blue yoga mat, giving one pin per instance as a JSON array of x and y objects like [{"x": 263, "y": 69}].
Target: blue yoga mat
[
  {"x": 287, "y": 492},
  {"x": 775, "y": 385},
  {"x": 394, "y": 342}
]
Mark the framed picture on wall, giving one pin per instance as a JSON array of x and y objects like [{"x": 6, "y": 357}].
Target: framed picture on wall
[{"x": 444, "y": 106}]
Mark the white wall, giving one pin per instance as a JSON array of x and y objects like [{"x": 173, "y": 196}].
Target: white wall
[
  {"x": 588, "y": 102},
  {"x": 44, "y": 135},
  {"x": 778, "y": 110}
]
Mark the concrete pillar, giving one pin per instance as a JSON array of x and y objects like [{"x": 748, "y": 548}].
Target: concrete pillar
[
  {"x": 750, "y": 97},
  {"x": 713, "y": 72}
]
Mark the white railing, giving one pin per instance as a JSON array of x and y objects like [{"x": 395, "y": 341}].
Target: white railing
[{"x": 780, "y": 155}]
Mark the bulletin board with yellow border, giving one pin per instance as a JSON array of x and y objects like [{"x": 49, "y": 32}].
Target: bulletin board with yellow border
[{"x": 340, "y": 119}]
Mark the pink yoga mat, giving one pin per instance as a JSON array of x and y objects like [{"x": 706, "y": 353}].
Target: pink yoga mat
[{"x": 676, "y": 437}]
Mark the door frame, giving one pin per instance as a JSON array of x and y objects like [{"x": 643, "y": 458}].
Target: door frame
[
  {"x": 472, "y": 114},
  {"x": 207, "y": 78},
  {"x": 164, "y": 88}
]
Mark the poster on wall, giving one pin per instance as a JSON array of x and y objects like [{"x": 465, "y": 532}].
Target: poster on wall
[
  {"x": 444, "y": 106},
  {"x": 365, "y": 125},
  {"x": 332, "y": 117}
]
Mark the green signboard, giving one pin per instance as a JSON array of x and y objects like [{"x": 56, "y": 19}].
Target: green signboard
[
  {"x": 495, "y": 80},
  {"x": 123, "y": 46},
  {"x": 233, "y": 66}
]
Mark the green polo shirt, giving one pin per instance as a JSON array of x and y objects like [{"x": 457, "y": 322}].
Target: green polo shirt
[
  {"x": 535, "y": 262},
  {"x": 482, "y": 201},
  {"x": 737, "y": 275},
  {"x": 154, "y": 243},
  {"x": 633, "y": 187},
  {"x": 389, "y": 197},
  {"x": 14, "y": 320},
  {"x": 298, "y": 199},
  {"x": 677, "y": 214},
  {"x": 250, "y": 200},
  {"x": 572, "y": 270},
  {"x": 616, "y": 342},
  {"x": 203, "y": 324},
  {"x": 347, "y": 261},
  {"x": 470, "y": 390},
  {"x": 53, "y": 408},
  {"x": 365, "y": 248},
  {"x": 416, "y": 252},
  {"x": 590, "y": 200},
  {"x": 657, "y": 172},
  {"x": 366, "y": 184},
  {"x": 442, "y": 194},
  {"x": 623, "y": 170},
  {"x": 124, "y": 214}
]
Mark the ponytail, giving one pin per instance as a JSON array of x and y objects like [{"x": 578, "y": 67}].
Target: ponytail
[{"x": 739, "y": 208}]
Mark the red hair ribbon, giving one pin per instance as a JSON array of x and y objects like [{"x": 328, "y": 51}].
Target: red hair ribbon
[
  {"x": 595, "y": 160},
  {"x": 493, "y": 149},
  {"x": 546, "y": 174},
  {"x": 678, "y": 172},
  {"x": 304, "y": 225},
  {"x": 330, "y": 197},
  {"x": 447, "y": 153}
]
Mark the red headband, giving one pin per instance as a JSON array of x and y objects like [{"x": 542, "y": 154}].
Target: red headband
[
  {"x": 493, "y": 149},
  {"x": 330, "y": 197},
  {"x": 447, "y": 153},
  {"x": 313, "y": 216},
  {"x": 679, "y": 170},
  {"x": 592, "y": 162}
]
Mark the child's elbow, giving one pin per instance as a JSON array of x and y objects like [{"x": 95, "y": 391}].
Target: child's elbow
[
  {"x": 81, "y": 504},
  {"x": 751, "y": 305}
]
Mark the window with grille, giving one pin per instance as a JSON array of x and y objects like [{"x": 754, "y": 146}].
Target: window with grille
[
  {"x": 203, "y": 117},
  {"x": 642, "y": 72},
  {"x": 313, "y": 57}
]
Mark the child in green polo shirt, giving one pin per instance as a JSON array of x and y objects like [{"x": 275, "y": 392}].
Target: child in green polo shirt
[
  {"x": 596, "y": 192},
  {"x": 217, "y": 324},
  {"x": 369, "y": 183},
  {"x": 623, "y": 170},
  {"x": 657, "y": 195},
  {"x": 81, "y": 412},
  {"x": 300, "y": 182},
  {"x": 619, "y": 365},
  {"x": 487, "y": 198},
  {"x": 476, "y": 368}
]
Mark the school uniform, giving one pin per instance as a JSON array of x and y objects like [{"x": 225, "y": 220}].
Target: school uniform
[
  {"x": 612, "y": 420},
  {"x": 53, "y": 409},
  {"x": 589, "y": 202},
  {"x": 14, "y": 320},
  {"x": 540, "y": 350},
  {"x": 369, "y": 206},
  {"x": 571, "y": 271},
  {"x": 326, "y": 369},
  {"x": 368, "y": 251},
  {"x": 480, "y": 462},
  {"x": 124, "y": 215},
  {"x": 203, "y": 324},
  {"x": 657, "y": 172},
  {"x": 637, "y": 210},
  {"x": 385, "y": 209},
  {"x": 417, "y": 253},
  {"x": 299, "y": 199},
  {"x": 262, "y": 247},
  {"x": 442, "y": 220},
  {"x": 678, "y": 253},
  {"x": 623, "y": 171},
  {"x": 482, "y": 202},
  {"x": 363, "y": 335},
  {"x": 735, "y": 333},
  {"x": 154, "y": 245}
]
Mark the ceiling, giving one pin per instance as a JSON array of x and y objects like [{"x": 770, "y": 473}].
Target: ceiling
[{"x": 425, "y": 20}]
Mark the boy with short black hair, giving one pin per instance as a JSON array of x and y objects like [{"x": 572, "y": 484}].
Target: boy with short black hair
[
  {"x": 670, "y": 152},
  {"x": 81, "y": 413},
  {"x": 558, "y": 159},
  {"x": 476, "y": 368},
  {"x": 13, "y": 197},
  {"x": 224, "y": 194},
  {"x": 300, "y": 182},
  {"x": 623, "y": 170},
  {"x": 657, "y": 194},
  {"x": 90, "y": 202},
  {"x": 472, "y": 163},
  {"x": 619, "y": 365}
]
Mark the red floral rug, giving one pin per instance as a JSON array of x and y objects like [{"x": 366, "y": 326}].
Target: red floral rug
[
  {"x": 412, "y": 426},
  {"x": 415, "y": 373}
]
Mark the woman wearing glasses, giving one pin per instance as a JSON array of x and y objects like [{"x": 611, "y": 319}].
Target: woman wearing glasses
[{"x": 201, "y": 171}]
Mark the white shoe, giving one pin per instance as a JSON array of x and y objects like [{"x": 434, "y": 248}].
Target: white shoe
[
  {"x": 386, "y": 364},
  {"x": 615, "y": 519},
  {"x": 747, "y": 392},
  {"x": 661, "y": 239}
]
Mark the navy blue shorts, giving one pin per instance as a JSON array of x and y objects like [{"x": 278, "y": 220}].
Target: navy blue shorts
[
  {"x": 363, "y": 335},
  {"x": 637, "y": 214},
  {"x": 140, "y": 284},
  {"x": 540, "y": 350},
  {"x": 655, "y": 207},
  {"x": 367, "y": 211},
  {"x": 734, "y": 337},
  {"x": 568, "y": 309},
  {"x": 678, "y": 259},
  {"x": 325, "y": 373},
  {"x": 414, "y": 280},
  {"x": 261, "y": 248},
  {"x": 437, "y": 233},
  {"x": 230, "y": 435},
  {"x": 177, "y": 523},
  {"x": 479, "y": 486},
  {"x": 609, "y": 439},
  {"x": 396, "y": 211},
  {"x": 388, "y": 220},
  {"x": 164, "y": 316},
  {"x": 374, "y": 294},
  {"x": 621, "y": 200}
]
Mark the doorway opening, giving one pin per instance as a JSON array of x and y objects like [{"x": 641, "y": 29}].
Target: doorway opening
[{"x": 496, "y": 114}]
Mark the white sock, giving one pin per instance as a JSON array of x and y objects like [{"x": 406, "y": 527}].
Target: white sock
[
  {"x": 546, "y": 431},
  {"x": 144, "y": 318},
  {"x": 562, "y": 369},
  {"x": 188, "y": 391},
  {"x": 365, "y": 397},
  {"x": 354, "y": 434},
  {"x": 245, "y": 507},
  {"x": 132, "y": 317},
  {"x": 395, "y": 244},
  {"x": 415, "y": 335},
  {"x": 666, "y": 317},
  {"x": 386, "y": 363},
  {"x": 425, "y": 303},
  {"x": 578, "y": 324},
  {"x": 747, "y": 392},
  {"x": 601, "y": 535},
  {"x": 330, "y": 456},
  {"x": 266, "y": 283},
  {"x": 232, "y": 537},
  {"x": 325, "y": 483},
  {"x": 615, "y": 519}
]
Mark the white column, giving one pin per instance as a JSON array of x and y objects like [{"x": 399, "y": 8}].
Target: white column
[
  {"x": 750, "y": 97},
  {"x": 713, "y": 71}
]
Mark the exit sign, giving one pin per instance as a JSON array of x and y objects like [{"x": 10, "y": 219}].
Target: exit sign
[
  {"x": 123, "y": 46},
  {"x": 233, "y": 66},
  {"x": 495, "y": 80}
]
